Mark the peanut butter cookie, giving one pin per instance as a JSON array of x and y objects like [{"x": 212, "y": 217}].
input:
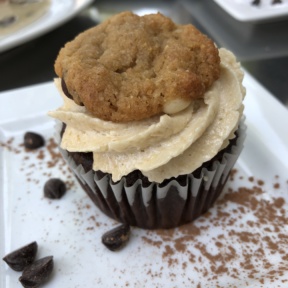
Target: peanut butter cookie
[{"x": 131, "y": 68}]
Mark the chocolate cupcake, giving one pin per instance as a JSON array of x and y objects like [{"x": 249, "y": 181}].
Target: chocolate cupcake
[{"x": 151, "y": 121}]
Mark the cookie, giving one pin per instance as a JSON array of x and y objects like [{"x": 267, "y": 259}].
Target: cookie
[{"x": 131, "y": 68}]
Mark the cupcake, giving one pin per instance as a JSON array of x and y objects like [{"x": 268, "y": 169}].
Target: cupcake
[{"x": 151, "y": 122}]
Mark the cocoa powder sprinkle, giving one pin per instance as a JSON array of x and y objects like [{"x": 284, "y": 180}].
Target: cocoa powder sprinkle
[
  {"x": 250, "y": 241},
  {"x": 246, "y": 227}
]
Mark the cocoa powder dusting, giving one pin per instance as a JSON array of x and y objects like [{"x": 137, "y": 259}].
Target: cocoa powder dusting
[
  {"x": 249, "y": 234},
  {"x": 42, "y": 159},
  {"x": 243, "y": 239},
  {"x": 232, "y": 174},
  {"x": 10, "y": 146},
  {"x": 276, "y": 186}
]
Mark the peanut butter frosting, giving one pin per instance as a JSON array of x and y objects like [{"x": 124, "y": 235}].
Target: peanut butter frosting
[{"x": 162, "y": 146}]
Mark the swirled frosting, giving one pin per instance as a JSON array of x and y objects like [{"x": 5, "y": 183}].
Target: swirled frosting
[{"x": 163, "y": 146}]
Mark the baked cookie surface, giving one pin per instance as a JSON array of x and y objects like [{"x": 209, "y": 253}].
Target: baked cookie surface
[{"x": 131, "y": 68}]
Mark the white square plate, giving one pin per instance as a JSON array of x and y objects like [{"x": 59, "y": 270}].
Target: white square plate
[
  {"x": 243, "y": 10},
  {"x": 239, "y": 243},
  {"x": 60, "y": 11}
]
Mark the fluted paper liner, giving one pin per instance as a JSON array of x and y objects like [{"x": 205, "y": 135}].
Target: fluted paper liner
[{"x": 157, "y": 205}]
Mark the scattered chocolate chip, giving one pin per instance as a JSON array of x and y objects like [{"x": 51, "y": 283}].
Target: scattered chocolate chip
[
  {"x": 37, "y": 273},
  {"x": 22, "y": 257},
  {"x": 276, "y": 2},
  {"x": 8, "y": 20},
  {"x": 33, "y": 140},
  {"x": 54, "y": 188},
  {"x": 117, "y": 237}
]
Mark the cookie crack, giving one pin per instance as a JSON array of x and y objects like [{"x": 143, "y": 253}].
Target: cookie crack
[{"x": 123, "y": 69}]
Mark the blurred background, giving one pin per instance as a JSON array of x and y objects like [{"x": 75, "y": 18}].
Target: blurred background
[{"x": 260, "y": 41}]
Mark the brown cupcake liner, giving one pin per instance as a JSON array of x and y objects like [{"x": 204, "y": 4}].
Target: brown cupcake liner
[{"x": 152, "y": 205}]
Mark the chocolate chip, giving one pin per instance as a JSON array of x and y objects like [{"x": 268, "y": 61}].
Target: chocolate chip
[
  {"x": 256, "y": 2},
  {"x": 37, "y": 273},
  {"x": 117, "y": 237},
  {"x": 66, "y": 92},
  {"x": 276, "y": 2},
  {"x": 54, "y": 188},
  {"x": 22, "y": 257},
  {"x": 65, "y": 89},
  {"x": 8, "y": 20},
  {"x": 33, "y": 140}
]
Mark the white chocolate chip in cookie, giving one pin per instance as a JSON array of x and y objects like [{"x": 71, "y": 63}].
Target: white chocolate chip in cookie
[{"x": 175, "y": 106}]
